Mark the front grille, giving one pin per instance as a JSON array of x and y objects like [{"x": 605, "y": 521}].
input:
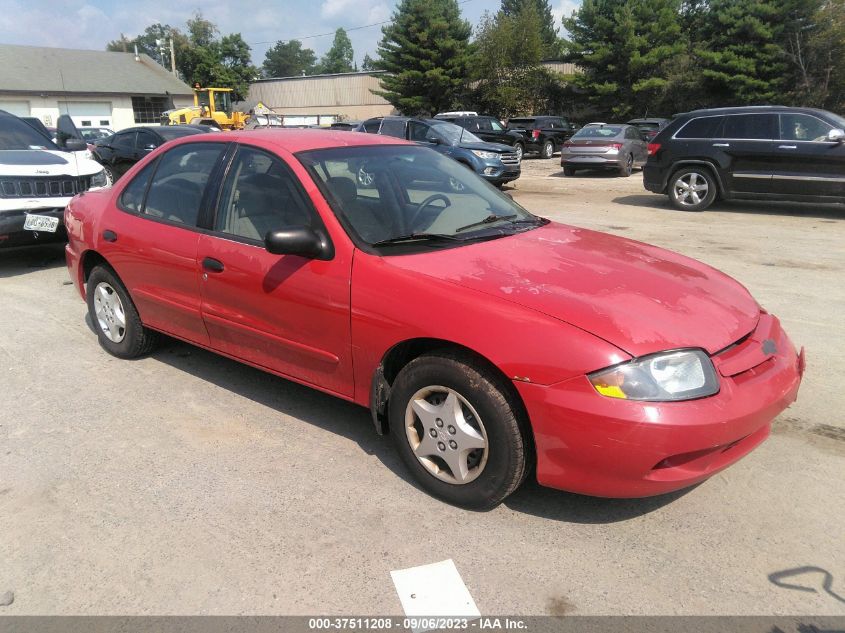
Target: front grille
[
  {"x": 43, "y": 186},
  {"x": 510, "y": 158}
]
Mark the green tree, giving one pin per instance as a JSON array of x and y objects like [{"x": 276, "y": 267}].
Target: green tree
[
  {"x": 289, "y": 59},
  {"x": 368, "y": 64},
  {"x": 546, "y": 23},
  {"x": 340, "y": 57},
  {"x": 425, "y": 50},
  {"x": 741, "y": 53},
  {"x": 625, "y": 49}
]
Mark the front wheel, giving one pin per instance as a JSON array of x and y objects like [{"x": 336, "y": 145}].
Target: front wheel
[
  {"x": 458, "y": 430},
  {"x": 111, "y": 176},
  {"x": 114, "y": 317},
  {"x": 692, "y": 189},
  {"x": 520, "y": 151},
  {"x": 548, "y": 149}
]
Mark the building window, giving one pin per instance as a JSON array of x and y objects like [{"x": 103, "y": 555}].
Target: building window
[{"x": 149, "y": 109}]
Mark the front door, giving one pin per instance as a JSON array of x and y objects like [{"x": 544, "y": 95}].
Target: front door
[
  {"x": 286, "y": 313},
  {"x": 807, "y": 163}
]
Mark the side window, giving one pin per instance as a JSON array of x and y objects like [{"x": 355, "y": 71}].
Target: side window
[
  {"x": 393, "y": 127},
  {"x": 484, "y": 125},
  {"x": 704, "y": 127},
  {"x": 260, "y": 195},
  {"x": 417, "y": 131},
  {"x": 563, "y": 123},
  {"x": 802, "y": 127},
  {"x": 132, "y": 198},
  {"x": 496, "y": 126},
  {"x": 179, "y": 182},
  {"x": 124, "y": 141},
  {"x": 371, "y": 126},
  {"x": 750, "y": 126},
  {"x": 550, "y": 124},
  {"x": 146, "y": 140}
]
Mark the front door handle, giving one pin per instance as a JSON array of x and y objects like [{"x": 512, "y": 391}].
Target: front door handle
[
  {"x": 721, "y": 144},
  {"x": 787, "y": 147},
  {"x": 212, "y": 265}
]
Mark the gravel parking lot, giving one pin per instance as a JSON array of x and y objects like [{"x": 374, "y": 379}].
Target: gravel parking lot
[{"x": 186, "y": 483}]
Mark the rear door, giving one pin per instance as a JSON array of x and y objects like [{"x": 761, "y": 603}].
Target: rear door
[
  {"x": 122, "y": 152},
  {"x": 747, "y": 147},
  {"x": 152, "y": 240},
  {"x": 287, "y": 313},
  {"x": 807, "y": 164}
]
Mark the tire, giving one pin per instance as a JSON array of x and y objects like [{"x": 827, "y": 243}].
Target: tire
[
  {"x": 111, "y": 177},
  {"x": 628, "y": 168},
  {"x": 492, "y": 428},
  {"x": 548, "y": 149},
  {"x": 520, "y": 151},
  {"x": 114, "y": 317},
  {"x": 692, "y": 189},
  {"x": 569, "y": 171}
]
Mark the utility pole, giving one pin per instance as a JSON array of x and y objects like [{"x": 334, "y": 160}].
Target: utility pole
[{"x": 172, "y": 57}]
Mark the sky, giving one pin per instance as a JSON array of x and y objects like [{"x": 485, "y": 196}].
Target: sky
[{"x": 92, "y": 24}]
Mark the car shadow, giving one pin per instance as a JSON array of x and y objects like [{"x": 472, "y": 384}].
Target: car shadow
[
  {"x": 354, "y": 423},
  {"x": 567, "y": 507},
  {"x": 22, "y": 260},
  {"x": 754, "y": 207}
]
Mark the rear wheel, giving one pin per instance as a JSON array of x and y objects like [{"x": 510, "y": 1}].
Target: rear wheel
[
  {"x": 692, "y": 189},
  {"x": 113, "y": 315},
  {"x": 568, "y": 171},
  {"x": 111, "y": 177},
  {"x": 458, "y": 431},
  {"x": 548, "y": 149},
  {"x": 628, "y": 168}
]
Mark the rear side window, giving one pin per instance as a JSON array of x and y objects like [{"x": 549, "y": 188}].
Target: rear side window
[
  {"x": 704, "y": 127},
  {"x": 371, "y": 126},
  {"x": 179, "y": 182},
  {"x": 124, "y": 141},
  {"x": 392, "y": 127},
  {"x": 524, "y": 124},
  {"x": 750, "y": 126},
  {"x": 132, "y": 198}
]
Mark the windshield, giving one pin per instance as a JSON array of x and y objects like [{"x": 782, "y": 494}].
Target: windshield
[
  {"x": 840, "y": 121},
  {"x": 94, "y": 133},
  {"x": 598, "y": 131},
  {"x": 454, "y": 134},
  {"x": 385, "y": 192},
  {"x": 15, "y": 134}
]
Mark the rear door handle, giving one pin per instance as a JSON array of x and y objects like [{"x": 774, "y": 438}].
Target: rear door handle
[
  {"x": 109, "y": 235},
  {"x": 721, "y": 144},
  {"x": 212, "y": 265},
  {"x": 787, "y": 147}
]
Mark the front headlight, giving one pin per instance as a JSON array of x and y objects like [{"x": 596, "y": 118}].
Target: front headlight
[
  {"x": 483, "y": 154},
  {"x": 99, "y": 179},
  {"x": 663, "y": 377}
]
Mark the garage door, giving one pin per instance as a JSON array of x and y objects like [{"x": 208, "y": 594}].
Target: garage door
[
  {"x": 18, "y": 108},
  {"x": 88, "y": 113}
]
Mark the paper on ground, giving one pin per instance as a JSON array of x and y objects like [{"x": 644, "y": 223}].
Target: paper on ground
[{"x": 434, "y": 590}]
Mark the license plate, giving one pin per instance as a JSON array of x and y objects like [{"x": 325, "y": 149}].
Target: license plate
[{"x": 40, "y": 223}]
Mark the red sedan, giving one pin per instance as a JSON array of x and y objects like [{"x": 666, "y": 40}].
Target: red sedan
[{"x": 484, "y": 339}]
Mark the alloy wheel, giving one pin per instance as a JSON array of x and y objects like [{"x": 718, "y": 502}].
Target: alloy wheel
[
  {"x": 111, "y": 316},
  {"x": 691, "y": 189}
]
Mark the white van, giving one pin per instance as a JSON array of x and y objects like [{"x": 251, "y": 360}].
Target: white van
[{"x": 37, "y": 180}]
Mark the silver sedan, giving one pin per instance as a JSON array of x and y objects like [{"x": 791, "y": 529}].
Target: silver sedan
[{"x": 604, "y": 146}]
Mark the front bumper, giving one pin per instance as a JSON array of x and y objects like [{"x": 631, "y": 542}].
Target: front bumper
[
  {"x": 607, "y": 447},
  {"x": 12, "y": 232}
]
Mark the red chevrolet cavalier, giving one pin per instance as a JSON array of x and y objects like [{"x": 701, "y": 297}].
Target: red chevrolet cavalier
[{"x": 485, "y": 339}]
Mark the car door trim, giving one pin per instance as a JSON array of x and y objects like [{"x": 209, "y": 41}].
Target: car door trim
[{"x": 811, "y": 178}]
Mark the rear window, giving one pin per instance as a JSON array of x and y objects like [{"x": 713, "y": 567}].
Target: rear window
[
  {"x": 521, "y": 123},
  {"x": 604, "y": 131},
  {"x": 703, "y": 127}
]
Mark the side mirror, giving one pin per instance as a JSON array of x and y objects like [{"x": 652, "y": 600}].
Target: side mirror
[
  {"x": 433, "y": 140},
  {"x": 149, "y": 148},
  {"x": 75, "y": 145},
  {"x": 836, "y": 135},
  {"x": 298, "y": 240}
]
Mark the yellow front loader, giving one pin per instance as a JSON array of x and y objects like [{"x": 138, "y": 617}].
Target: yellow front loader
[{"x": 210, "y": 104}]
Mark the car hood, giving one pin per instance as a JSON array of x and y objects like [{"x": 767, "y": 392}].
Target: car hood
[
  {"x": 38, "y": 162},
  {"x": 640, "y": 298},
  {"x": 499, "y": 148}
]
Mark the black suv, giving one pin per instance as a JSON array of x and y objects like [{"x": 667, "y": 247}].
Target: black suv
[
  {"x": 543, "y": 134},
  {"x": 487, "y": 128},
  {"x": 752, "y": 152}
]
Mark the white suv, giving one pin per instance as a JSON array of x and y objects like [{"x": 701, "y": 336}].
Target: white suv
[{"x": 37, "y": 180}]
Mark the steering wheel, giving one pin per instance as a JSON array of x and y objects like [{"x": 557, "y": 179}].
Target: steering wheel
[{"x": 422, "y": 205}]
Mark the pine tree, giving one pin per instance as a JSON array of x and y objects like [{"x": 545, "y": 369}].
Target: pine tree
[
  {"x": 548, "y": 30},
  {"x": 425, "y": 51},
  {"x": 368, "y": 64}
]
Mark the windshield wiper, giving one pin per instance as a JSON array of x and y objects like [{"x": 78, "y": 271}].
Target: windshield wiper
[
  {"x": 417, "y": 237},
  {"x": 488, "y": 220}
]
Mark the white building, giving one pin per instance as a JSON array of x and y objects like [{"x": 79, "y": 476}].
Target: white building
[{"x": 96, "y": 88}]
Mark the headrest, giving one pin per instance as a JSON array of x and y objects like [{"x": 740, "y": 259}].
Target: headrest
[{"x": 344, "y": 188}]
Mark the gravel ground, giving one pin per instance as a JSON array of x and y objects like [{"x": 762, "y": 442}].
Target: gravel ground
[{"x": 184, "y": 483}]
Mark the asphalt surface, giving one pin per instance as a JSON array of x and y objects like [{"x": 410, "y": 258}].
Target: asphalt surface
[{"x": 185, "y": 483}]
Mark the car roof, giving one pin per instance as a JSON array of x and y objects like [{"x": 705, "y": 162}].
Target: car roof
[
  {"x": 298, "y": 139},
  {"x": 750, "y": 110},
  {"x": 648, "y": 120}
]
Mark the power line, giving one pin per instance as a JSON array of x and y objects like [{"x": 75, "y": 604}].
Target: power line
[{"x": 311, "y": 37}]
